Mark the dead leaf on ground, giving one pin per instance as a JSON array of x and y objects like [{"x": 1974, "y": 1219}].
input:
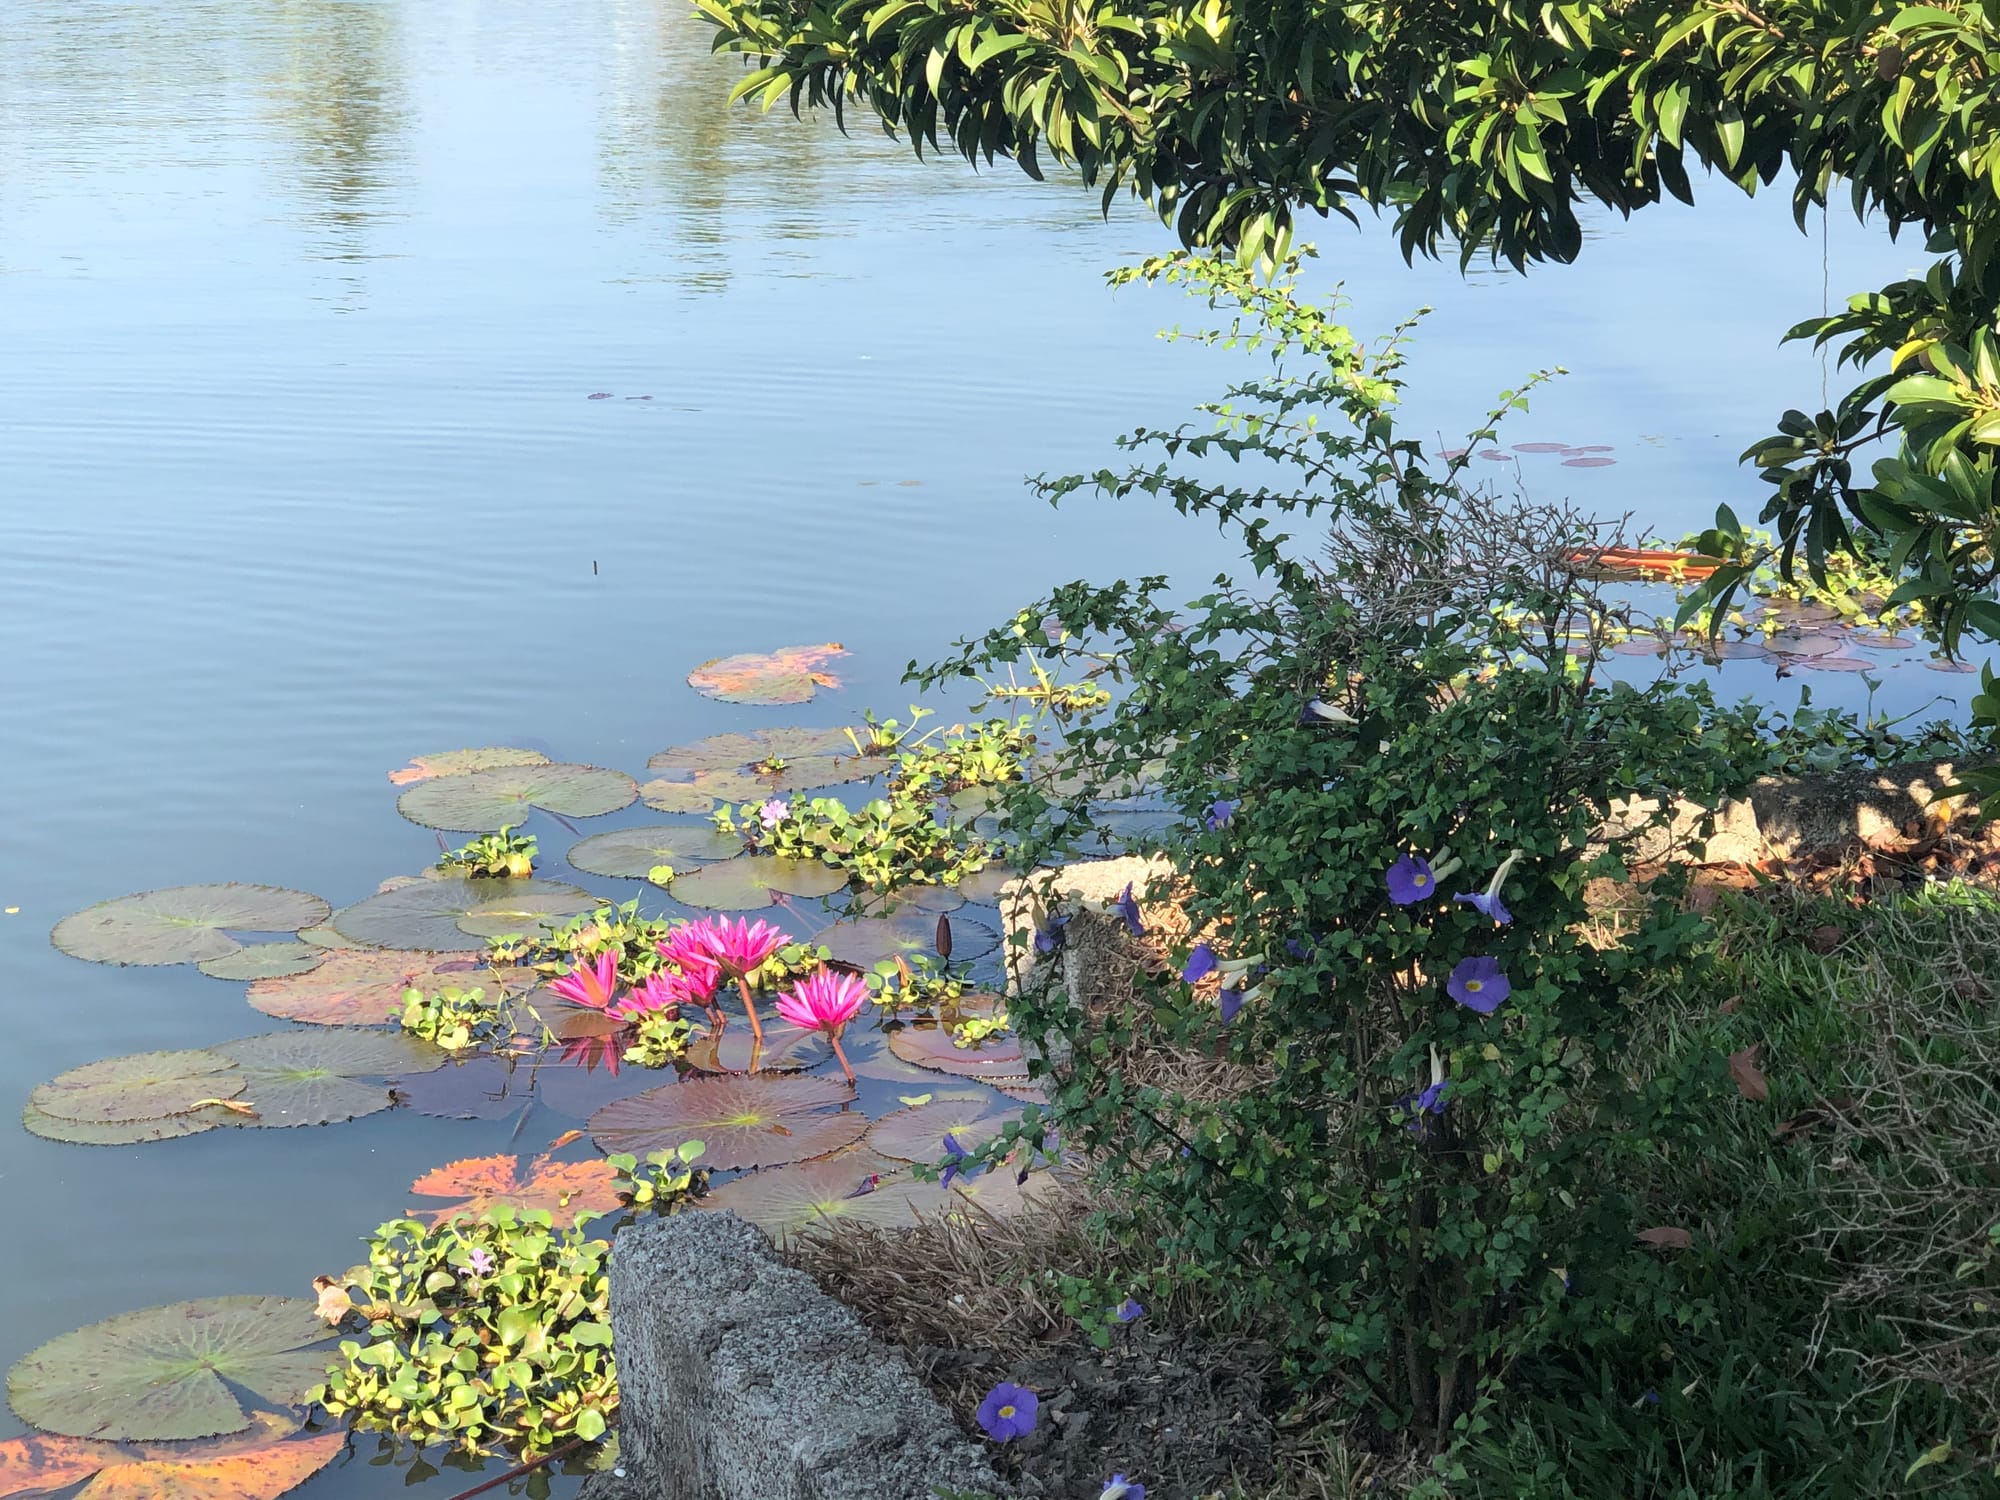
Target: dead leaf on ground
[
  {"x": 1824, "y": 938},
  {"x": 1750, "y": 1080},
  {"x": 1666, "y": 1238}
]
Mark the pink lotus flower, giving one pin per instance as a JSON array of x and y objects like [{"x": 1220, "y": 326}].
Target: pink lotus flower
[
  {"x": 825, "y": 1001},
  {"x": 594, "y": 985},
  {"x": 741, "y": 947},
  {"x": 687, "y": 949},
  {"x": 660, "y": 994}
]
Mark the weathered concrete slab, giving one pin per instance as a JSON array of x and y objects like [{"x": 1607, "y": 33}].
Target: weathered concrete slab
[{"x": 740, "y": 1379}]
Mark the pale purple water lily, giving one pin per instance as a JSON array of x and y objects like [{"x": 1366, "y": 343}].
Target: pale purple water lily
[
  {"x": 1128, "y": 1311},
  {"x": 1411, "y": 879},
  {"x": 1220, "y": 813},
  {"x": 1121, "y": 1488},
  {"x": 1200, "y": 964},
  {"x": 1008, "y": 1412},
  {"x": 774, "y": 812},
  {"x": 1478, "y": 984}
]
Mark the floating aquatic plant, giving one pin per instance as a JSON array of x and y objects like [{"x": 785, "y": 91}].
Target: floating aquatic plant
[
  {"x": 456, "y": 912},
  {"x": 486, "y": 801},
  {"x": 918, "y": 1133},
  {"x": 791, "y": 674},
  {"x": 455, "y": 1018},
  {"x": 184, "y": 925},
  {"x": 751, "y": 881},
  {"x": 267, "y": 1459},
  {"x": 502, "y": 855},
  {"x": 366, "y": 986},
  {"x": 743, "y": 1122},
  {"x": 634, "y": 853},
  {"x": 458, "y": 762},
  {"x": 563, "y": 1189}
]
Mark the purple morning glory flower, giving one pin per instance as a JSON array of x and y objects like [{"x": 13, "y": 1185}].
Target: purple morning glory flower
[
  {"x": 1478, "y": 984},
  {"x": 1219, "y": 813},
  {"x": 1049, "y": 935},
  {"x": 1128, "y": 908},
  {"x": 1488, "y": 902},
  {"x": 774, "y": 812},
  {"x": 1651, "y": 1398},
  {"x": 1008, "y": 1412},
  {"x": 1430, "y": 1102},
  {"x": 956, "y": 1167},
  {"x": 1121, "y": 1488},
  {"x": 481, "y": 1262},
  {"x": 1232, "y": 1002},
  {"x": 1200, "y": 964},
  {"x": 1128, "y": 1311},
  {"x": 1410, "y": 879}
]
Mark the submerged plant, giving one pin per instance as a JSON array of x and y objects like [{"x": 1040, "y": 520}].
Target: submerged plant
[
  {"x": 502, "y": 854},
  {"x": 482, "y": 1333}
]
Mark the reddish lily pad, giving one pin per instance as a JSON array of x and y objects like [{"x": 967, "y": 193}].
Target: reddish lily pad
[
  {"x": 262, "y": 1464},
  {"x": 171, "y": 1373},
  {"x": 184, "y": 925},
  {"x": 459, "y": 762},
  {"x": 459, "y": 912},
  {"x": 141, "y": 1086},
  {"x": 1787, "y": 643},
  {"x": 754, "y": 880},
  {"x": 564, "y": 1188},
  {"x": 485, "y": 801},
  {"x": 931, "y": 1046},
  {"x": 741, "y": 1122},
  {"x": 632, "y": 853},
  {"x": 1840, "y": 664},
  {"x": 783, "y": 1200},
  {"x": 786, "y": 1049},
  {"x": 791, "y": 674},
  {"x": 364, "y": 986},
  {"x": 917, "y": 1134}
]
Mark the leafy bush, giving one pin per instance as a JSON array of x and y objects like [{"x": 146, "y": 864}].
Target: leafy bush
[{"x": 1426, "y": 1163}]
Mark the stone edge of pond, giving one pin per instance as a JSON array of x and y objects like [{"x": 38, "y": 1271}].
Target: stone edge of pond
[{"x": 739, "y": 1379}]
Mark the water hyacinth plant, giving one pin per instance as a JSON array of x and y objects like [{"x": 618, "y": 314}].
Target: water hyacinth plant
[{"x": 1412, "y": 671}]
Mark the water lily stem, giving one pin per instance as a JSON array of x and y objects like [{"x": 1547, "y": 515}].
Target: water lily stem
[
  {"x": 750, "y": 1005},
  {"x": 834, "y": 1037}
]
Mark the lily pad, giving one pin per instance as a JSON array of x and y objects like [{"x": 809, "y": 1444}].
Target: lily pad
[
  {"x": 866, "y": 941},
  {"x": 317, "y": 1077},
  {"x": 985, "y": 885},
  {"x": 791, "y": 674},
  {"x": 917, "y": 1134},
  {"x": 564, "y": 1188},
  {"x": 735, "y": 752},
  {"x": 364, "y": 986},
  {"x": 741, "y": 1122},
  {"x": 485, "y": 801},
  {"x": 326, "y": 935},
  {"x": 234, "y": 1469},
  {"x": 264, "y": 961},
  {"x": 458, "y": 912},
  {"x": 733, "y": 786},
  {"x": 632, "y": 852},
  {"x": 754, "y": 880},
  {"x": 459, "y": 762},
  {"x": 1787, "y": 643},
  {"x": 142, "y": 1086},
  {"x": 931, "y": 1046},
  {"x": 851, "y": 1187},
  {"x": 1730, "y": 650},
  {"x": 183, "y": 925},
  {"x": 675, "y": 797},
  {"x": 165, "y": 1373},
  {"x": 121, "y": 1132}
]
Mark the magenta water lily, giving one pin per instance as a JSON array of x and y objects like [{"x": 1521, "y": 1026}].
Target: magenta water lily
[
  {"x": 825, "y": 1001},
  {"x": 1009, "y": 1411}
]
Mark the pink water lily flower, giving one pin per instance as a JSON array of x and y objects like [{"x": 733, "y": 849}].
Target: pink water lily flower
[
  {"x": 825, "y": 1001},
  {"x": 738, "y": 949},
  {"x": 594, "y": 984},
  {"x": 661, "y": 994}
]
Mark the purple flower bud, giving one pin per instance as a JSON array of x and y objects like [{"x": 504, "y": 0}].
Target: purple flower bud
[
  {"x": 1200, "y": 964},
  {"x": 1128, "y": 908}
]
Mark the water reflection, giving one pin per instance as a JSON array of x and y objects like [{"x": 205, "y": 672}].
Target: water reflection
[{"x": 335, "y": 87}]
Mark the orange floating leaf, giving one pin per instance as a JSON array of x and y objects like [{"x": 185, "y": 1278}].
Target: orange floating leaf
[
  {"x": 262, "y": 1473},
  {"x": 460, "y": 762},
  {"x": 791, "y": 674},
  {"x": 564, "y": 1188},
  {"x": 35, "y": 1465}
]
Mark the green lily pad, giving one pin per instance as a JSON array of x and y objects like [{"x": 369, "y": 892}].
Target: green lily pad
[
  {"x": 264, "y": 961},
  {"x": 675, "y": 797},
  {"x": 733, "y": 786},
  {"x": 122, "y": 1132},
  {"x": 806, "y": 772},
  {"x": 326, "y": 935},
  {"x": 865, "y": 941},
  {"x": 486, "y": 801},
  {"x": 742, "y": 1122},
  {"x": 457, "y": 912},
  {"x": 459, "y": 762},
  {"x": 731, "y": 752},
  {"x": 791, "y": 674},
  {"x": 320, "y": 1076},
  {"x": 931, "y": 1046},
  {"x": 754, "y": 880},
  {"x": 141, "y": 1086},
  {"x": 364, "y": 986},
  {"x": 165, "y": 1373},
  {"x": 632, "y": 852},
  {"x": 184, "y": 925},
  {"x": 917, "y": 1133}
]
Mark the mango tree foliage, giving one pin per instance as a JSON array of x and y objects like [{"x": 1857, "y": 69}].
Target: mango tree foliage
[{"x": 1485, "y": 126}]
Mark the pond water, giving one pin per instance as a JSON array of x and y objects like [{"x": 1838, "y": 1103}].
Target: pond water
[{"x": 386, "y": 377}]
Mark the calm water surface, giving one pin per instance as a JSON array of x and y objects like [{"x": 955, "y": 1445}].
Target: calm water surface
[{"x": 301, "y": 305}]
